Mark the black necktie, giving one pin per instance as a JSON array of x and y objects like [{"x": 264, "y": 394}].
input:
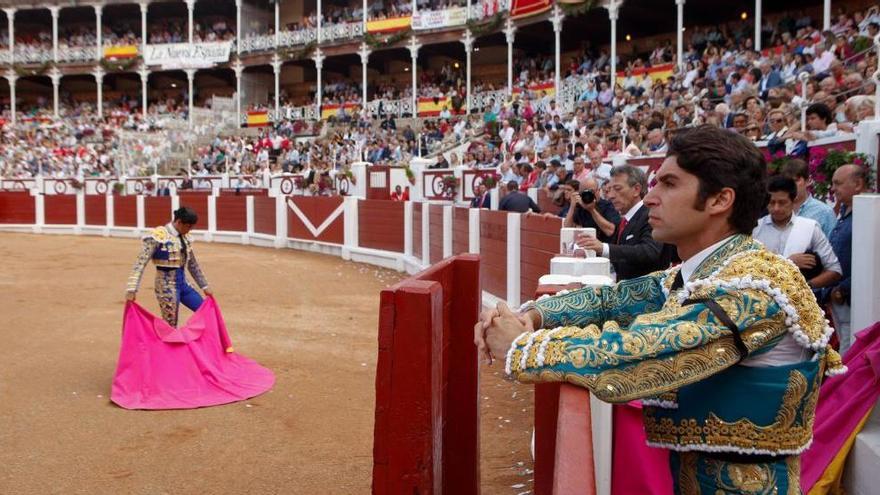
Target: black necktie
[{"x": 678, "y": 283}]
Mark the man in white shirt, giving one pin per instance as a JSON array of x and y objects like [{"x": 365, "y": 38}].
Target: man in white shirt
[{"x": 799, "y": 239}]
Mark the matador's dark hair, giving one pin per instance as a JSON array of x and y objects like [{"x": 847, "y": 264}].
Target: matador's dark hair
[{"x": 186, "y": 215}]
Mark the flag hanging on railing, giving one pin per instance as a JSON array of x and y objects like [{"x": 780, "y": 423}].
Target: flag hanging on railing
[
  {"x": 328, "y": 111},
  {"x": 526, "y": 8},
  {"x": 389, "y": 25},
  {"x": 121, "y": 51},
  {"x": 657, "y": 72},
  {"x": 258, "y": 118}
]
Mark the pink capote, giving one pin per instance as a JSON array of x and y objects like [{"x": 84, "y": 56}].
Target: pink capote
[
  {"x": 637, "y": 467},
  {"x": 843, "y": 401},
  {"x": 162, "y": 367}
]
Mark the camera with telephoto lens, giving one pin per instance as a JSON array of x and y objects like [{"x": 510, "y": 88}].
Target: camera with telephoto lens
[{"x": 588, "y": 196}]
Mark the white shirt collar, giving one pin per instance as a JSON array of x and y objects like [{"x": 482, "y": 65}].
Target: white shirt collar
[
  {"x": 689, "y": 266},
  {"x": 172, "y": 230},
  {"x": 632, "y": 211}
]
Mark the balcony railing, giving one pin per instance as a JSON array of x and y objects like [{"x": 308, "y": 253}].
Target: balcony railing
[
  {"x": 342, "y": 31},
  {"x": 77, "y": 53},
  {"x": 488, "y": 8},
  {"x": 27, "y": 55},
  {"x": 298, "y": 37},
  {"x": 5, "y": 56}
]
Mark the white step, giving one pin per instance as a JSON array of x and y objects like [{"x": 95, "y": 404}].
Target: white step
[{"x": 862, "y": 475}]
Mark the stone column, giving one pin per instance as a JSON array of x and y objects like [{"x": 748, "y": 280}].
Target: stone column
[
  {"x": 190, "y": 10},
  {"x": 145, "y": 78},
  {"x": 239, "y": 69},
  {"x": 99, "y": 35},
  {"x": 145, "y": 6},
  {"x": 557, "y": 19},
  {"x": 190, "y": 77},
  {"x": 54, "y": 10},
  {"x": 99, "y": 82},
  {"x": 364, "y": 52},
  {"x": 679, "y": 4},
  {"x": 276, "y": 68},
  {"x": 509, "y": 34},
  {"x": 468, "y": 41},
  {"x": 318, "y": 57},
  {"x": 414, "y": 46},
  {"x": 11, "y": 77},
  {"x": 10, "y": 19}
]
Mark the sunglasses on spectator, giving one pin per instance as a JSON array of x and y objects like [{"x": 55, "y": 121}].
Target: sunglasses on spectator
[{"x": 776, "y": 121}]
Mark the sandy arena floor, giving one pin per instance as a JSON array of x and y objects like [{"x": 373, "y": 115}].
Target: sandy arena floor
[{"x": 310, "y": 318}]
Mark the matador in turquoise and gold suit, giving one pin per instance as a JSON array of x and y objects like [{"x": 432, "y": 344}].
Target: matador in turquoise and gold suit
[
  {"x": 172, "y": 254},
  {"x": 728, "y": 364}
]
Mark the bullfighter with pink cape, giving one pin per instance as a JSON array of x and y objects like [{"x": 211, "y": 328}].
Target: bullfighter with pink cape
[{"x": 164, "y": 367}]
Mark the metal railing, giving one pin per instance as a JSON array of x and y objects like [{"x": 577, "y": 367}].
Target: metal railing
[{"x": 77, "y": 53}]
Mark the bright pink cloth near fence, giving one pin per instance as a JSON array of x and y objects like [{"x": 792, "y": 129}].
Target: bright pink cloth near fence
[
  {"x": 637, "y": 467},
  {"x": 843, "y": 401},
  {"x": 162, "y": 367}
]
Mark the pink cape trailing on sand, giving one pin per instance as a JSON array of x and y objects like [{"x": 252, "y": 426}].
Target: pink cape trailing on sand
[{"x": 162, "y": 367}]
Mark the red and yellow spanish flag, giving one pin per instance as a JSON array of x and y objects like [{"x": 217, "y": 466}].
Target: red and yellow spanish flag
[
  {"x": 258, "y": 118},
  {"x": 539, "y": 90},
  {"x": 657, "y": 72},
  {"x": 389, "y": 25},
  {"x": 527, "y": 8},
  {"x": 121, "y": 51},
  {"x": 328, "y": 111}
]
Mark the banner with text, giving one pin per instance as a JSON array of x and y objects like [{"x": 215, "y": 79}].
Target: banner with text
[
  {"x": 437, "y": 19},
  {"x": 188, "y": 56}
]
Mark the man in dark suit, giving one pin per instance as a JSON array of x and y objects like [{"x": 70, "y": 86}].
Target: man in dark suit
[
  {"x": 482, "y": 199},
  {"x": 516, "y": 201},
  {"x": 632, "y": 250},
  {"x": 770, "y": 78}
]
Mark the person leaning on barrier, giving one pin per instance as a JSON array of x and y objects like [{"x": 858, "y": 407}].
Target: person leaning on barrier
[
  {"x": 587, "y": 209},
  {"x": 517, "y": 201},
  {"x": 632, "y": 249},
  {"x": 726, "y": 351}
]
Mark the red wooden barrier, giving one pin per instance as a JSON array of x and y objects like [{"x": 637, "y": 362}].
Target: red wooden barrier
[
  {"x": 231, "y": 213},
  {"x": 125, "y": 211},
  {"x": 426, "y": 437},
  {"x": 199, "y": 204},
  {"x": 435, "y": 233},
  {"x": 157, "y": 211},
  {"x": 493, "y": 251},
  {"x": 554, "y": 403},
  {"x": 18, "y": 208},
  {"x": 460, "y": 230},
  {"x": 417, "y": 230},
  {"x": 539, "y": 243},
  {"x": 380, "y": 225},
  {"x": 96, "y": 209},
  {"x": 60, "y": 209},
  {"x": 316, "y": 210},
  {"x": 264, "y": 215},
  {"x": 378, "y": 182}
]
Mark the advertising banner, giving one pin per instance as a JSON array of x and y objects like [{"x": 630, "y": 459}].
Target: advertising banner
[
  {"x": 188, "y": 56},
  {"x": 437, "y": 19}
]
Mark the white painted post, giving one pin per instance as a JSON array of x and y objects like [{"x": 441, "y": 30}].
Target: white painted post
[
  {"x": 145, "y": 6},
  {"x": 54, "y": 11},
  {"x": 141, "y": 216},
  {"x": 468, "y": 41},
  {"x": 175, "y": 204},
  {"x": 55, "y": 76},
  {"x": 407, "y": 228},
  {"x": 474, "y": 230},
  {"x": 212, "y": 218},
  {"x": 145, "y": 79},
  {"x": 865, "y": 299},
  {"x": 364, "y": 52},
  {"x": 190, "y": 77},
  {"x": 426, "y": 237},
  {"x": 190, "y": 8},
  {"x": 111, "y": 221},
  {"x": 350, "y": 234},
  {"x": 556, "y": 20},
  {"x": 447, "y": 231},
  {"x": 249, "y": 208},
  {"x": 238, "y": 27},
  {"x": 276, "y": 68},
  {"x": 99, "y": 40},
  {"x": 513, "y": 259},
  {"x": 414, "y": 47},
  {"x": 40, "y": 211},
  {"x": 80, "y": 210},
  {"x": 98, "y": 73},
  {"x": 281, "y": 221},
  {"x": 495, "y": 197},
  {"x": 11, "y": 77},
  {"x": 826, "y": 15}
]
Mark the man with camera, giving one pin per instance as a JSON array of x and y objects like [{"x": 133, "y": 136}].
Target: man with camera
[
  {"x": 587, "y": 210},
  {"x": 632, "y": 250}
]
